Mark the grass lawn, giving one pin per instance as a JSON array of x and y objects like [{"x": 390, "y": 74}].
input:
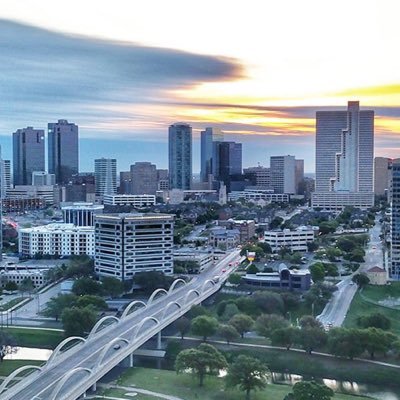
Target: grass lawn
[
  {"x": 8, "y": 366},
  {"x": 185, "y": 386},
  {"x": 360, "y": 307},
  {"x": 377, "y": 293},
  {"x": 12, "y": 303},
  {"x": 41, "y": 338}
]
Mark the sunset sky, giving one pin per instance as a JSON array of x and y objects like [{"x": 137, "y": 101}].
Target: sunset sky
[{"x": 124, "y": 70}]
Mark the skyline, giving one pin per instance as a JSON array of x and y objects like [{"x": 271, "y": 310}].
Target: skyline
[{"x": 120, "y": 79}]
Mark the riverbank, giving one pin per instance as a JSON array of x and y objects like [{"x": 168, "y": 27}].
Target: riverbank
[{"x": 34, "y": 337}]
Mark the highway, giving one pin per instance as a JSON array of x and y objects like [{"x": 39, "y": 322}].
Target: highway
[
  {"x": 336, "y": 310},
  {"x": 99, "y": 354}
]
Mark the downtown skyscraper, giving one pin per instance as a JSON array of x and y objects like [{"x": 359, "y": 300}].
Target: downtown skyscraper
[
  {"x": 208, "y": 151},
  {"x": 28, "y": 154},
  {"x": 105, "y": 176},
  {"x": 63, "y": 150},
  {"x": 344, "y": 158},
  {"x": 180, "y": 156},
  {"x": 394, "y": 265}
]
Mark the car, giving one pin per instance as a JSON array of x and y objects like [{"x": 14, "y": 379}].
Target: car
[
  {"x": 352, "y": 283},
  {"x": 116, "y": 346},
  {"x": 224, "y": 270},
  {"x": 230, "y": 264},
  {"x": 373, "y": 247}
]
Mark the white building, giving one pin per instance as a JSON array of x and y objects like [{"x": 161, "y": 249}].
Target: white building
[
  {"x": 57, "y": 239},
  {"x": 81, "y": 214},
  {"x": 105, "y": 176},
  {"x": 283, "y": 174},
  {"x": 203, "y": 258},
  {"x": 134, "y": 200},
  {"x": 45, "y": 192},
  {"x": 131, "y": 243},
  {"x": 294, "y": 240},
  {"x": 38, "y": 277},
  {"x": 344, "y": 158},
  {"x": 41, "y": 178},
  {"x": 259, "y": 194}
]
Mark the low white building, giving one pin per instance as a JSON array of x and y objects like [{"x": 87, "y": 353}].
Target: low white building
[
  {"x": 203, "y": 258},
  {"x": 294, "y": 240},
  {"x": 134, "y": 200},
  {"x": 259, "y": 194},
  {"x": 57, "y": 239},
  {"x": 45, "y": 192},
  {"x": 337, "y": 201},
  {"x": 38, "y": 277}
]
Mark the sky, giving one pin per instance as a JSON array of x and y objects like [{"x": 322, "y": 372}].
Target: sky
[{"x": 125, "y": 70}]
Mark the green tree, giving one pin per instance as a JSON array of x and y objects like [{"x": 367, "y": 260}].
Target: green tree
[
  {"x": 248, "y": 374},
  {"x": 96, "y": 302},
  {"x": 26, "y": 286},
  {"x": 346, "y": 244},
  {"x": 376, "y": 340},
  {"x": 204, "y": 326},
  {"x": 196, "y": 311},
  {"x": 242, "y": 323},
  {"x": 360, "y": 279},
  {"x": 80, "y": 266},
  {"x": 344, "y": 342},
  {"x": 247, "y": 305},
  {"x": 83, "y": 286},
  {"x": 317, "y": 271},
  {"x": 311, "y": 339},
  {"x": 375, "y": 320},
  {"x": 284, "y": 337},
  {"x": 234, "y": 279},
  {"x": 228, "y": 332},
  {"x": 202, "y": 361},
  {"x": 308, "y": 321},
  {"x": 56, "y": 305},
  {"x": 252, "y": 269},
  {"x": 312, "y": 246},
  {"x": 8, "y": 344},
  {"x": 231, "y": 310},
  {"x": 112, "y": 287},
  {"x": 275, "y": 223},
  {"x": 11, "y": 286},
  {"x": 267, "y": 323},
  {"x": 78, "y": 321},
  {"x": 183, "y": 326},
  {"x": 152, "y": 280},
  {"x": 269, "y": 302},
  {"x": 310, "y": 391},
  {"x": 327, "y": 227}
]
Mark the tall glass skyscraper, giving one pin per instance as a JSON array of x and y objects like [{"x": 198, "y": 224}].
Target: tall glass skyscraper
[
  {"x": 28, "y": 154},
  {"x": 105, "y": 176},
  {"x": 394, "y": 266},
  {"x": 63, "y": 150},
  {"x": 180, "y": 156},
  {"x": 208, "y": 139}
]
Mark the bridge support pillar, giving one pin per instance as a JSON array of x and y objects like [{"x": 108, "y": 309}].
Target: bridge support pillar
[
  {"x": 159, "y": 340},
  {"x": 130, "y": 360},
  {"x": 94, "y": 387}
]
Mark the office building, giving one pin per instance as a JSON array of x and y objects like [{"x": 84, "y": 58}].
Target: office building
[
  {"x": 394, "y": 264},
  {"x": 295, "y": 240},
  {"x": 63, "y": 150},
  {"x": 41, "y": 178},
  {"x": 344, "y": 158},
  {"x": 105, "y": 176},
  {"x": 130, "y": 243},
  {"x": 81, "y": 214},
  {"x": 28, "y": 154},
  {"x": 45, "y": 192},
  {"x": 382, "y": 175},
  {"x": 144, "y": 178},
  {"x": 5, "y": 176},
  {"x": 256, "y": 195},
  {"x": 259, "y": 177},
  {"x": 283, "y": 174},
  {"x": 180, "y": 156},
  {"x": 125, "y": 182},
  {"x": 133, "y": 200},
  {"x": 299, "y": 175},
  {"x": 228, "y": 162},
  {"x": 208, "y": 139},
  {"x": 162, "y": 177},
  {"x": 57, "y": 240}
]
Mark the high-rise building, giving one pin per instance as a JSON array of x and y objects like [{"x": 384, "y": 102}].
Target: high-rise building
[
  {"x": 208, "y": 137},
  {"x": 5, "y": 176},
  {"x": 259, "y": 176},
  {"x": 125, "y": 182},
  {"x": 283, "y": 174},
  {"x": 180, "y": 156},
  {"x": 81, "y": 214},
  {"x": 41, "y": 178},
  {"x": 394, "y": 266},
  {"x": 344, "y": 158},
  {"x": 299, "y": 175},
  {"x": 382, "y": 175},
  {"x": 126, "y": 244},
  {"x": 144, "y": 178},
  {"x": 228, "y": 162},
  {"x": 163, "y": 181},
  {"x": 105, "y": 176},
  {"x": 28, "y": 154},
  {"x": 63, "y": 150}
]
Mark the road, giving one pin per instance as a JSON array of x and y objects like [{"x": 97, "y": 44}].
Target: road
[
  {"x": 336, "y": 310},
  {"x": 42, "y": 385}
]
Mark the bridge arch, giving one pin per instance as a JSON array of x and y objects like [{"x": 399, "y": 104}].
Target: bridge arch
[
  {"x": 64, "y": 379},
  {"x": 154, "y": 294},
  {"x": 107, "y": 347},
  {"x": 188, "y": 294},
  {"x": 140, "y": 326},
  {"x": 100, "y": 322},
  {"x": 174, "y": 284},
  {"x": 130, "y": 306},
  {"x": 15, "y": 373},
  {"x": 171, "y": 303},
  {"x": 203, "y": 286},
  {"x": 57, "y": 350}
]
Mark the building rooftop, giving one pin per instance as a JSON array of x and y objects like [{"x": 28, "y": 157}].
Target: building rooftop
[
  {"x": 82, "y": 206},
  {"x": 135, "y": 216},
  {"x": 58, "y": 228},
  {"x": 376, "y": 269}
]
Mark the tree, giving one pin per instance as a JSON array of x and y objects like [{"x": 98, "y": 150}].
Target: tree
[
  {"x": 81, "y": 266},
  {"x": 196, "y": 311},
  {"x": 248, "y": 374},
  {"x": 234, "y": 279},
  {"x": 8, "y": 345},
  {"x": 94, "y": 301},
  {"x": 265, "y": 247},
  {"x": 26, "y": 286},
  {"x": 267, "y": 323},
  {"x": 361, "y": 280},
  {"x": 230, "y": 311},
  {"x": 310, "y": 391},
  {"x": 56, "y": 305},
  {"x": 269, "y": 302},
  {"x": 284, "y": 337},
  {"x": 247, "y": 305},
  {"x": 112, "y": 287},
  {"x": 152, "y": 280},
  {"x": 252, "y": 269},
  {"x": 311, "y": 339},
  {"x": 317, "y": 271},
  {"x": 242, "y": 323},
  {"x": 11, "y": 286},
  {"x": 183, "y": 325},
  {"x": 344, "y": 342},
  {"x": 375, "y": 320},
  {"x": 205, "y": 360},
  {"x": 312, "y": 246},
  {"x": 83, "y": 286},
  {"x": 308, "y": 321},
  {"x": 346, "y": 244},
  {"x": 204, "y": 326},
  {"x": 275, "y": 223},
  {"x": 327, "y": 227},
  {"x": 228, "y": 332},
  {"x": 78, "y": 321},
  {"x": 376, "y": 340}
]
